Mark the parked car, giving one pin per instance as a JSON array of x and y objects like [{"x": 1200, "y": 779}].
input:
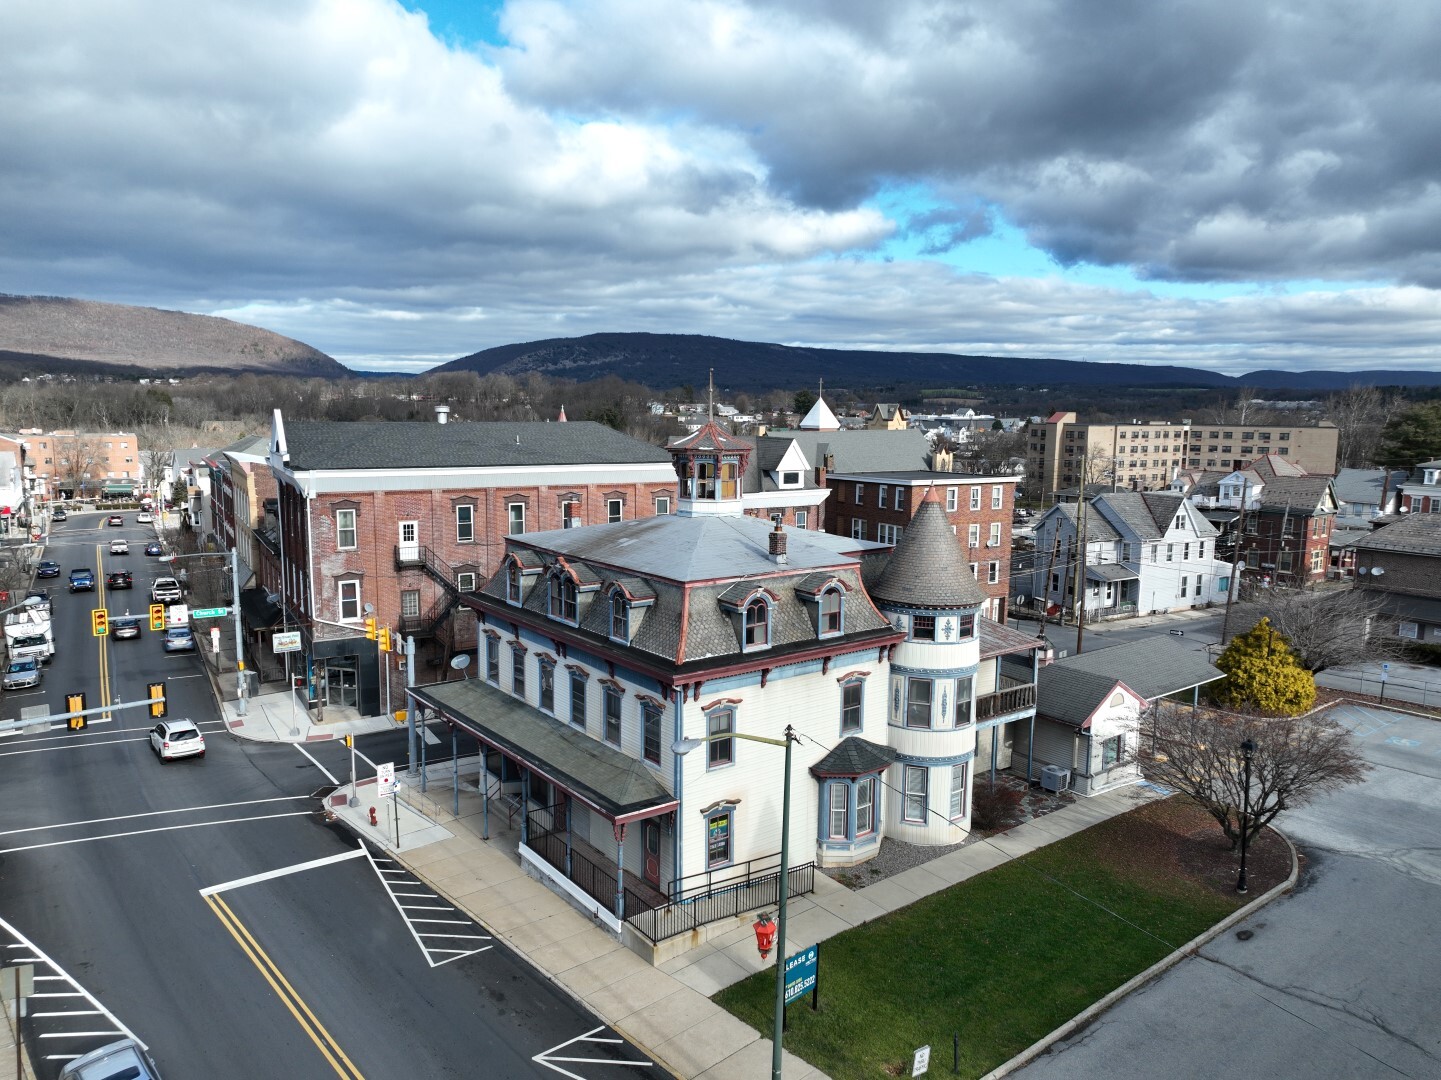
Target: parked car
[
  {"x": 82, "y": 580},
  {"x": 115, "y": 519},
  {"x": 145, "y": 517},
  {"x": 154, "y": 548},
  {"x": 119, "y": 579},
  {"x": 176, "y": 738},
  {"x": 119, "y": 547},
  {"x": 47, "y": 568},
  {"x": 37, "y": 598},
  {"x": 59, "y": 515},
  {"x": 125, "y": 1058},
  {"x": 22, "y": 674},
  {"x": 179, "y": 639},
  {"x": 125, "y": 626},
  {"x": 166, "y": 590}
]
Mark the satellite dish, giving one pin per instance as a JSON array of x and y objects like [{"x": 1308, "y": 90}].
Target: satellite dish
[
  {"x": 272, "y": 598},
  {"x": 460, "y": 662}
]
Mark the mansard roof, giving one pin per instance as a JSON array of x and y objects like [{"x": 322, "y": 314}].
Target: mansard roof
[{"x": 711, "y": 437}]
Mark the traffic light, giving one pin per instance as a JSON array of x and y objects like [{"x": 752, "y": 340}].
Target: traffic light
[
  {"x": 384, "y": 639},
  {"x": 157, "y": 699},
  {"x": 157, "y": 616},
  {"x": 75, "y": 703},
  {"x": 99, "y": 622},
  {"x": 370, "y": 628}
]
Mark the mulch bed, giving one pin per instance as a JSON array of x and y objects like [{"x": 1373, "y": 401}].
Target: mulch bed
[{"x": 1176, "y": 837}]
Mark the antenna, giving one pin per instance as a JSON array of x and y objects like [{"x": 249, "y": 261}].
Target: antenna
[{"x": 710, "y": 397}]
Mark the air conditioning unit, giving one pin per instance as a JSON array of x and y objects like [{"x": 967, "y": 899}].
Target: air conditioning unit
[
  {"x": 1055, "y": 778},
  {"x": 573, "y": 523},
  {"x": 993, "y": 543}
]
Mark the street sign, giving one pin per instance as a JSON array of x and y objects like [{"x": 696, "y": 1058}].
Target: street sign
[
  {"x": 385, "y": 779},
  {"x": 209, "y": 612},
  {"x": 285, "y": 641},
  {"x": 801, "y": 973},
  {"x": 921, "y": 1062}
]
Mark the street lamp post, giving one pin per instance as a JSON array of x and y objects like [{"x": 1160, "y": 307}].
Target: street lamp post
[
  {"x": 685, "y": 746},
  {"x": 1247, "y": 749}
]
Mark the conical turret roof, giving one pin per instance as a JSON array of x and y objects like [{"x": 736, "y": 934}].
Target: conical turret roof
[{"x": 928, "y": 569}]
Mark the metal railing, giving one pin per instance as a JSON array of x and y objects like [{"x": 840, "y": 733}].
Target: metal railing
[
  {"x": 596, "y": 879},
  {"x": 417, "y": 556},
  {"x": 1005, "y": 701},
  {"x": 681, "y": 916}
]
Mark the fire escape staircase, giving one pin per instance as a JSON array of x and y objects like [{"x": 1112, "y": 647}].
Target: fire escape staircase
[{"x": 435, "y": 622}]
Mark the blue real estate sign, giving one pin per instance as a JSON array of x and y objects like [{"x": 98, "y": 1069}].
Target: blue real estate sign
[{"x": 801, "y": 972}]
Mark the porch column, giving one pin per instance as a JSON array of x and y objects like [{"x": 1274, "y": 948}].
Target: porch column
[
  {"x": 484, "y": 792},
  {"x": 455, "y": 768},
  {"x": 524, "y": 805},
  {"x": 1031, "y": 748},
  {"x": 620, "y": 872},
  {"x": 568, "y": 803},
  {"x": 995, "y": 750},
  {"x": 424, "y": 727}
]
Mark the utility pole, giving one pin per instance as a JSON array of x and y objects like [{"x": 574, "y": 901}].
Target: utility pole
[
  {"x": 1046, "y": 582},
  {"x": 1080, "y": 571},
  {"x": 1235, "y": 583}
]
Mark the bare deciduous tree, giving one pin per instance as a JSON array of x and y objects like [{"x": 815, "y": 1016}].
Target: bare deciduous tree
[
  {"x": 1360, "y": 413},
  {"x": 1324, "y": 627},
  {"x": 1296, "y": 758}
]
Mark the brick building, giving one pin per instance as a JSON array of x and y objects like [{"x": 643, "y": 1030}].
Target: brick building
[
  {"x": 76, "y": 464},
  {"x": 880, "y": 505},
  {"x": 1402, "y": 562},
  {"x": 1287, "y": 532},
  {"x": 398, "y": 521}
]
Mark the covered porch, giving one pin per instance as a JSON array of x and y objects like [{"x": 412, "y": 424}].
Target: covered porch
[{"x": 572, "y": 798}]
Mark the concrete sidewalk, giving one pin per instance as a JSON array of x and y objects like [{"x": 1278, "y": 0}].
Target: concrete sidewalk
[{"x": 440, "y": 835}]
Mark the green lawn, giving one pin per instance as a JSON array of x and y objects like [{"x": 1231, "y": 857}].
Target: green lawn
[{"x": 1001, "y": 959}]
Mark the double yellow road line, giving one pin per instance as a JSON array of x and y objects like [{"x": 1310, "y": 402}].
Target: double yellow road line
[{"x": 307, "y": 1020}]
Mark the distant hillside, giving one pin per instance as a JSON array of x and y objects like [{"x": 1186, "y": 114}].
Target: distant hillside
[
  {"x": 666, "y": 360},
  {"x": 83, "y": 337}
]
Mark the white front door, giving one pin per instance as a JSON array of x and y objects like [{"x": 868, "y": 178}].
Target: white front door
[{"x": 409, "y": 540}]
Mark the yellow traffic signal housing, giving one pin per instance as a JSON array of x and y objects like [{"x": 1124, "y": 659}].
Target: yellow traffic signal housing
[
  {"x": 75, "y": 703},
  {"x": 370, "y": 629},
  {"x": 157, "y": 698},
  {"x": 99, "y": 622},
  {"x": 385, "y": 639},
  {"x": 157, "y": 616}
]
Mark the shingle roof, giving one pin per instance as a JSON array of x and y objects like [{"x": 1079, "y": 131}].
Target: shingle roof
[
  {"x": 1365, "y": 485},
  {"x": 1417, "y": 534},
  {"x": 1271, "y": 466},
  {"x": 1070, "y": 696},
  {"x": 1301, "y": 494},
  {"x": 854, "y": 756},
  {"x": 928, "y": 568},
  {"x": 1163, "y": 508},
  {"x": 1153, "y": 667},
  {"x": 997, "y": 640},
  {"x": 1110, "y": 572},
  {"x": 864, "y": 450},
  {"x": 711, "y": 437},
  {"x": 380, "y": 445},
  {"x": 1131, "y": 510},
  {"x": 1098, "y": 529}
]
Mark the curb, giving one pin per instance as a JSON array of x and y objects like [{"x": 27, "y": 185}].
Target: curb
[{"x": 1084, "y": 1018}]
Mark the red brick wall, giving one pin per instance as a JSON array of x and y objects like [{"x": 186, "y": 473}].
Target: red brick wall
[{"x": 1310, "y": 534}]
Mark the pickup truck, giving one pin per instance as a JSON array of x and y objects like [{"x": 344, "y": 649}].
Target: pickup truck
[{"x": 82, "y": 580}]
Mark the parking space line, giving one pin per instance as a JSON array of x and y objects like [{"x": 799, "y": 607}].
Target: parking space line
[
  {"x": 430, "y": 952},
  {"x": 284, "y": 871}
]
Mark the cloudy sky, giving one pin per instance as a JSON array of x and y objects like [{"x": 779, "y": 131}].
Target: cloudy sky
[{"x": 1229, "y": 183}]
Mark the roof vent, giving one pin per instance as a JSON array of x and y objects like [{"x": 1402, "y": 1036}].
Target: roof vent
[
  {"x": 442, "y": 414},
  {"x": 778, "y": 544}
]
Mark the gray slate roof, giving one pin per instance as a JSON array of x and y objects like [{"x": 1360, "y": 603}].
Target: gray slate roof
[
  {"x": 1098, "y": 529},
  {"x": 380, "y": 445},
  {"x": 854, "y": 756},
  {"x": 1365, "y": 485},
  {"x": 613, "y": 782},
  {"x": 864, "y": 450},
  {"x": 1299, "y": 494},
  {"x": 1415, "y": 534},
  {"x": 1153, "y": 667},
  {"x": 1070, "y": 696},
  {"x": 928, "y": 569},
  {"x": 1136, "y": 512}
]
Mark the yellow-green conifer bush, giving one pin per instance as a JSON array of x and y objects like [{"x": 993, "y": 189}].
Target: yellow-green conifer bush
[{"x": 1263, "y": 675}]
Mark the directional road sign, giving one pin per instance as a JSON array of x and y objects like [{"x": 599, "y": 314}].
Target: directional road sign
[{"x": 209, "y": 612}]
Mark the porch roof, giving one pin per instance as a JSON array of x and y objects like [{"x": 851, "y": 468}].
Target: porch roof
[
  {"x": 619, "y": 787},
  {"x": 1110, "y": 572},
  {"x": 998, "y": 640}
]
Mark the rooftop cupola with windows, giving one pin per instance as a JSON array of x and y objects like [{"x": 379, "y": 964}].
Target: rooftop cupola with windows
[{"x": 710, "y": 463}]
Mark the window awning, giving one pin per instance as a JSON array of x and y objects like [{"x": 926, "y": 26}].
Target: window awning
[{"x": 615, "y": 785}]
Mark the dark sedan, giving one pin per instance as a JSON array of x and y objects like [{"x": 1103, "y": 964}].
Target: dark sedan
[
  {"x": 47, "y": 568},
  {"x": 154, "y": 549},
  {"x": 119, "y": 579}
]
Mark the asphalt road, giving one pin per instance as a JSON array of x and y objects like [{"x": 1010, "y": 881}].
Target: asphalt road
[
  {"x": 1339, "y": 980},
  {"x": 207, "y": 905}
]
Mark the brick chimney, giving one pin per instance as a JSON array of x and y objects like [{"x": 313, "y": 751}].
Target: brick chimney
[{"x": 778, "y": 544}]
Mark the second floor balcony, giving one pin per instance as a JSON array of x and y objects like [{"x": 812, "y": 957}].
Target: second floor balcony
[{"x": 1014, "y": 696}]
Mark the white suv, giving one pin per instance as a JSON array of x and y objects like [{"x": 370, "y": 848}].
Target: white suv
[
  {"x": 119, "y": 547},
  {"x": 172, "y": 739},
  {"x": 166, "y": 590}
]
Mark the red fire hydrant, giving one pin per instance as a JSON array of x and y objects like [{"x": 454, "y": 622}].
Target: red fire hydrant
[
  {"x": 373, "y": 819},
  {"x": 765, "y": 934}
]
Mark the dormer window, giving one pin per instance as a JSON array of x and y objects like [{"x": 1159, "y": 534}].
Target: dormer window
[
  {"x": 619, "y": 616},
  {"x": 790, "y": 479},
  {"x": 513, "y": 579},
  {"x": 757, "y": 625},
  {"x": 831, "y": 613},
  {"x": 563, "y": 598}
]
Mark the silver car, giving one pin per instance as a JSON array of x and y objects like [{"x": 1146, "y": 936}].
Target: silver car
[
  {"x": 125, "y": 1058},
  {"x": 22, "y": 673}
]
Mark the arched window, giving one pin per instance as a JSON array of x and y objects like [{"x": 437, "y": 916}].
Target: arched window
[
  {"x": 619, "y": 616},
  {"x": 831, "y": 609},
  {"x": 758, "y": 625},
  {"x": 562, "y": 597},
  {"x": 512, "y": 583}
]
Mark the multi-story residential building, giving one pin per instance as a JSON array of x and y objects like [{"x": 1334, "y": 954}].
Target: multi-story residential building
[
  {"x": 1421, "y": 491},
  {"x": 1231, "y": 446},
  {"x": 627, "y": 669},
  {"x": 397, "y": 521},
  {"x": 243, "y": 494},
  {"x": 68, "y": 464},
  {"x": 1145, "y": 455},
  {"x": 1287, "y": 530},
  {"x": 1362, "y": 495},
  {"x": 980, "y": 509},
  {"x": 1143, "y": 552},
  {"x": 1401, "y": 562}
]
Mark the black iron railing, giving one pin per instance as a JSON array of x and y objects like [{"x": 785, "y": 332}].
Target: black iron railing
[{"x": 681, "y": 916}]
